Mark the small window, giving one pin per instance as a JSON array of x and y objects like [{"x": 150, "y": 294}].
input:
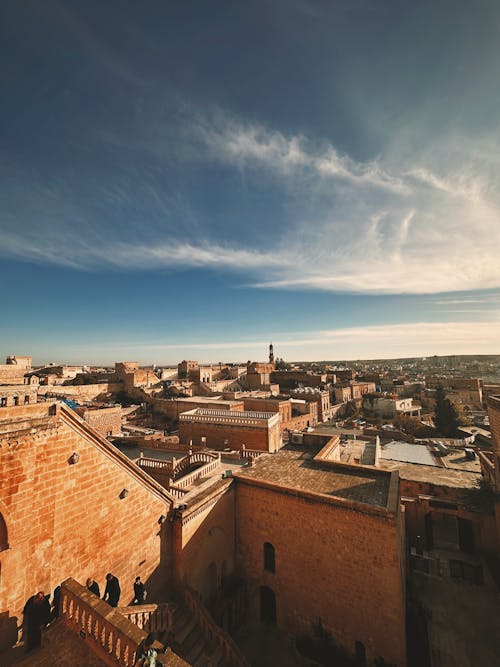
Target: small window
[
  {"x": 16, "y": 400},
  {"x": 3, "y": 402},
  {"x": 26, "y": 400},
  {"x": 269, "y": 558}
]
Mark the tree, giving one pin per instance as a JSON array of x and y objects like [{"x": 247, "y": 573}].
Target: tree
[{"x": 447, "y": 418}]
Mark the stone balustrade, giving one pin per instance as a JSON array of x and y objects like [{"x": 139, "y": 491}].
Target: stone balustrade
[
  {"x": 249, "y": 453},
  {"x": 160, "y": 464},
  {"x": 203, "y": 471},
  {"x": 150, "y": 617},
  {"x": 261, "y": 419},
  {"x": 177, "y": 491},
  {"x": 212, "y": 632},
  {"x": 109, "y": 633}
]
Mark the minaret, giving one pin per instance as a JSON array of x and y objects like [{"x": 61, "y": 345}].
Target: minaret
[{"x": 271, "y": 354}]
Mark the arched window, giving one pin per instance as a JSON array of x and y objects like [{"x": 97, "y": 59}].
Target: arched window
[
  {"x": 4, "y": 542},
  {"x": 269, "y": 560}
]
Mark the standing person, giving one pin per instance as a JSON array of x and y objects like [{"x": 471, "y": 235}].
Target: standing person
[
  {"x": 93, "y": 587},
  {"x": 113, "y": 591},
  {"x": 36, "y": 614},
  {"x": 56, "y": 603},
  {"x": 139, "y": 592}
]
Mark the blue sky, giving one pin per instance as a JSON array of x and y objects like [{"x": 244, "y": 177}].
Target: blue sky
[{"x": 193, "y": 180}]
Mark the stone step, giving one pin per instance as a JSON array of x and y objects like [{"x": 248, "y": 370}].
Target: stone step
[
  {"x": 217, "y": 655},
  {"x": 182, "y": 630},
  {"x": 195, "y": 648}
]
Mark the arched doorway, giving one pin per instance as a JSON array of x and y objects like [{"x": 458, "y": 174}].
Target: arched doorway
[{"x": 267, "y": 606}]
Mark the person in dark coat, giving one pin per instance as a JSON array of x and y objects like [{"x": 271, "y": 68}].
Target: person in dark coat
[
  {"x": 56, "y": 603},
  {"x": 112, "y": 591},
  {"x": 139, "y": 591},
  {"x": 93, "y": 587},
  {"x": 36, "y": 614}
]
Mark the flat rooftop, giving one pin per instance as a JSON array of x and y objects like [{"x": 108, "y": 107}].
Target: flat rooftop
[
  {"x": 293, "y": 467},
  {"x": 407, "y": 452},
  {"x": 432, "y": 474},
  {"x": 227, "y": 414}
]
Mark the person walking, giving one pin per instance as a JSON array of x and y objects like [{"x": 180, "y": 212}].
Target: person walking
[
  {"x": 36, "y": 614},
  {"x": 146, "y": 653},
  {"x": 139, "y": 592},
  {"x": 113, "y": 591},
  {"x": 93, "y": 587}
]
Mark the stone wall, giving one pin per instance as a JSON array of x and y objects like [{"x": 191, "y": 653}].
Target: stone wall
[
  {"x": 67, "y": 519},
  {"x": 269, "y": 405},
  {"x": 203, "y": 538},
  {"x": 84, "y": 392},
  {"x": 343, "y": 568},
  {"x": 425, "y": 499},
  {"x": 233, "y": 436},
  {"x": 12, "y": 374},
  {"x": 22, "y": 394},
  {"x": 106, "y": 421}
]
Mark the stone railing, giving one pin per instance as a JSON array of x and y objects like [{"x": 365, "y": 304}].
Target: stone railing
[
  {"x": 211, "y": 463},
  {"x": 150, "y": 617},
  {"x": 159, "y": 464},
  {"x": 212, "y": 632},
  {"x": 246, "y": 453},
  {"x": 108, "y": 633},
  {"x": 177, "y": 491},
  {"x": 262, "y": 419}
]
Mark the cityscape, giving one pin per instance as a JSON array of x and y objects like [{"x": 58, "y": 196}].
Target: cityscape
[
  {"x": 251, "y": 500},
  {"x": 249, "y": 333}
]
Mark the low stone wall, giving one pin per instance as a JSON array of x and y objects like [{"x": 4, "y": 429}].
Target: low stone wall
[{"x": 84, "y": 392}]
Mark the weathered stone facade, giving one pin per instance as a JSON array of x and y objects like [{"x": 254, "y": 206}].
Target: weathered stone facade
[
  {"x": 231, "y": 430},
  {"x": 67, "y": 516}
]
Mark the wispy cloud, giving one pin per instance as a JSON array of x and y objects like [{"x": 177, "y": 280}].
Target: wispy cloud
[
  {"x": 253, "y": 145},
  {"x": 387, "y": 225}
]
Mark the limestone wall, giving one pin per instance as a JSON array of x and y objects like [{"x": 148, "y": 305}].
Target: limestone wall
[
  {"x": 341, "y": 566},
  {"x": 68, "y": 520}
]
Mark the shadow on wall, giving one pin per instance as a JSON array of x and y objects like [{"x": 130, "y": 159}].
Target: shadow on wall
[
  {"x": 159, "y": 583},
  {"x": 8, "y": 631}
]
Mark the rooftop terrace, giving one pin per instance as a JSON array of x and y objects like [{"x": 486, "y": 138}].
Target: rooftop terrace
[{"x": 294, "y": 468}]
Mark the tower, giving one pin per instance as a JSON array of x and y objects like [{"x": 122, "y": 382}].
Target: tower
[{"x": 271, "y": 354}]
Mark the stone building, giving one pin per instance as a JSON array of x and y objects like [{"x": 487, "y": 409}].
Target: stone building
[
  {"x": 14, "y": 369},
  {"x": 172, "y": 408},
  {"x": 346, "y": 570},
  {"x": 223, "y": 429},
  {"x": 465, "y": 391},
  {"x": 129, "y": 373},
  {"x": 296, "y": 539},
  {"x": 187, "y": 369},
  {"x": 66, "y": 496},
  {"x": 316, "y": 395},
  {"x": 23, "y": 394},
  {"x": 389, "y": 406},
  {"x": 105, "y": 420}
]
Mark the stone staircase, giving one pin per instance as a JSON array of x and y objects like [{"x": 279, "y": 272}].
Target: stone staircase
[{"x": 188, "y": 640}]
